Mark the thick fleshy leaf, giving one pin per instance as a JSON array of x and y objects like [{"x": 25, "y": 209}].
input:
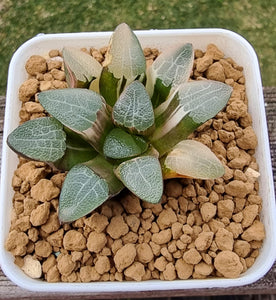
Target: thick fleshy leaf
[
  {"x": 133, "y": 110},
  {"x": 77, "y": 151},
  {"x": 75, "y": 108},
  {"x": 171, "y": 68},
  {"x": 143, "y": 177},
  {"x": 105, "y": 170},
  {"x": 193, "y": 159},
  {"x": 82, "y": 192},
  {"x": 81, "y": 110},
  {"x": 80, "y": 68},
  {"x": 124, "y": 63},
  {"x": 40, "y": 139},
  {"x": 193, "y": 104},
  {"x": 120, "y": 144},
  {"x": 109, "y": 86}
]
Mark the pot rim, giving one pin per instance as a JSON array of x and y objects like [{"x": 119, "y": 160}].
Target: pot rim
[{"x": 224, "y": 38}]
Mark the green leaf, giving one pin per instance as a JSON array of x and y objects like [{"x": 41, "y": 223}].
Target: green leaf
[
  {"x": 105, "y": 170},
  {"x": 80, "y": 68},
  {"x": 108, "y": 87},
  {"x": 178, "y": 132},
  {"x": 120, "y": 144},
  {"x": 143, "y": 177},
  {"x": 172, "y": 68},
  {"x": 75, "y": 108},
  {"x": 133, "y": 110},
  {"x": 82, "y": 192},
  {"x": 81, "y": 110},
  {"x": 193, "y": 104},
  {"x": 193, "y": 159},
  {"x": 125, "y": 62},
  {"x": 40, "y": 139},
  {"x": 204, "y": 99},
  {"x": 77, "y": 151}
]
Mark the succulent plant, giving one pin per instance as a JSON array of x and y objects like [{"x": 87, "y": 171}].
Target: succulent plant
[{"x": 121, "y": 124}]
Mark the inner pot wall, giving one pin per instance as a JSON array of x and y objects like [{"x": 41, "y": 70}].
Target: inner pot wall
[{"x": 233, "y": 46}]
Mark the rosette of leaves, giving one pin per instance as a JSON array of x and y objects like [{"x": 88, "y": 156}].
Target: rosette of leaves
[{"x": 122, "y": 125}]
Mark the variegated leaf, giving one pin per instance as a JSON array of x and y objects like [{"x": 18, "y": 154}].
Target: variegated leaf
[
  {"x": 171, "y": 68},
  {"x": 81, "y": 69},
  {"x": 193, "y": 159},
  {"x": 193, "y": 104},
  {"x": 124, "y": 63},
  {"x": 81, "y": 110}
]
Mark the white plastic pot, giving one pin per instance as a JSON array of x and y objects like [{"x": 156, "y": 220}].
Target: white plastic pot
[{"x": 233, "y": 46}]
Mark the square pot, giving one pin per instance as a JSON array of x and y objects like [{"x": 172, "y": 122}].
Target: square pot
[{"x": 233, "y": 46}]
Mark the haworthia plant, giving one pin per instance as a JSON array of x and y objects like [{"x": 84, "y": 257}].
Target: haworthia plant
[{"x": 121, "y": 125}]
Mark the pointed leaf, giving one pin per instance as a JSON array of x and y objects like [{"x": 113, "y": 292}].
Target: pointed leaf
[
  {"x": 193, "y": 104},
  {"x": 80, "y": 68},
  {"x": 143, "y": 177},
  {"x": 82, "y": 192},
  {"x": 125, "y": 62},
  {"x": 39, "y": 139},
  {"x": 120, "y": 144},
  {"x": 77, "y": 151},
  {"x": 133, "y": 110},
  {"x": 193, "y": 159},
  {"x": 81, "y": 110},
  {"x": 172, "y": 68},
  {"x": 125, "y": 57}
]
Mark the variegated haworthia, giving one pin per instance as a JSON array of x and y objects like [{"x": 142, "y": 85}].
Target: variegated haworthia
[{"x": 122, "y": 125}]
